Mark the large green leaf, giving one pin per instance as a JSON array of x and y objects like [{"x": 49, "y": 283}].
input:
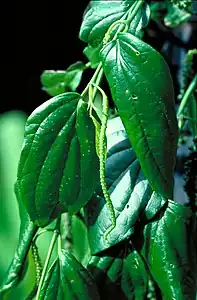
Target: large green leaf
[
  {"x": 168, "y": 245},
  {"x": 119, "y": 275},
  {"x": 56, "y": 159},
  {"x": 142, "y": 90},
  {"x": 129, "y": 190},
  {"x": 100, "y": 15},
  {"x": 76, "y": 282},
  {"x": 58, "y": 82}
]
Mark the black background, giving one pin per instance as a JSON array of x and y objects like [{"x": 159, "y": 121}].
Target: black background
[
  {"x": 43, "y": 35},
  {"x": 37, "y": 36}
]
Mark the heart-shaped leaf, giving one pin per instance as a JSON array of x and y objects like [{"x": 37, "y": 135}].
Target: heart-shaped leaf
[
  {"x": 58, "y": 82},
  {"x": 56, "y": 159},
  {"x": 130, "y": 193},
  {"x": 142, "y": 90}
]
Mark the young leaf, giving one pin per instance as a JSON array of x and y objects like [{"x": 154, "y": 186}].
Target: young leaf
[
  {"x": 93, "y": 54},
  {"x": 76, "y": 282},
  {"x": 142, "y": 90},
  {"x": 100, "y": 15},
  {"x": 57, "y": 157},
  {"x": 169, "y": 249},
  {"x": 58, "y": 82},
  {"x": 129, "y": 190}
]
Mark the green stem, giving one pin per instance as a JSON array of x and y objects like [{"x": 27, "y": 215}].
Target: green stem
[
  {"x": 98, "y": 69},
  {"x": 51, "y": 247},
  {"x": 134, "y": 11},
  {"x": 186, "y": 96}
]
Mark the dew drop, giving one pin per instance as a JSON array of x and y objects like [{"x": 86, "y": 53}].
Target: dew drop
[{"x": 134, "y": 96}]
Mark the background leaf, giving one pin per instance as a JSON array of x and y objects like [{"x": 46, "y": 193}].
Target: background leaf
[{"x": 58, "y": 82}]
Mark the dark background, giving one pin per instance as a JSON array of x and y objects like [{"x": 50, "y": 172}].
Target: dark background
[
  {"x": 37, "y": 35},
  {"x": 43, "y": 35}
]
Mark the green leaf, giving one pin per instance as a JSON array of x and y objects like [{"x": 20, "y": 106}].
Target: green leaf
[
  {"x": 142, "y": 90},
  {"x": 175, "y": 16},
  {"x": 135, "y": 276},
  {"x": 58, "y": 82},
  {"x": 76, "y": 282},
  {"x": 56, "y": 159},
  {"x": 93, "y": 55},
  {"x": 100, "y": 15},
  {"x": 158, "y": 10},
  {"x": 117, "y": 276},
  {"x": 169, "y": 248},
  {"x": 15, "y": 271},
  {"x": 51, "y": 284},
  {"x": 80, "y": 246},
  {"x": 130, "y": 192},
  {"x": 192, "y": 113}
]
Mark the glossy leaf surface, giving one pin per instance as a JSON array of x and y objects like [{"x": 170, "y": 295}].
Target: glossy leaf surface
[
  {"x": 51, "y": 284},
  {"x": 57, "y": 157},
  {"x": 142, "y": 90},
  {"x": 15, "y": 271},
  {"x": 130, "y": 192},
  {"x": 100, "y": 15},
  {"x": 58, "y": 82},
  {"x": 168, "y": 246},
  {"x": 76, "y": 282}
]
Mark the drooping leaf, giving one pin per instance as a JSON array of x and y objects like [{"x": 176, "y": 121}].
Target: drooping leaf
[
  {"x": 76, "y": 282},
  {"x": 15, "y": 271},
  {"x": 100, "y": 15},
  {"x": 129, "y": 190},
  {"x": 80, "y": 246},
  {"x": 142, "y": 90},
  {"x": 58, "y": 82},
  {"x": 168, "y": 245},
  {"x": 135, "y": 276},
  {"x": 118, "y": 274},
  {"x": 51, "y": 284},
  {"x": 56, "y": 159}
]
